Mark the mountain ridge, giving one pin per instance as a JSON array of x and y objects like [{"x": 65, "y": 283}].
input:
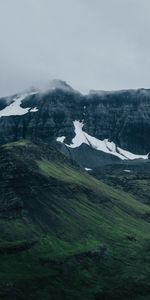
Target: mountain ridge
[{"x": 122, "y": 118}]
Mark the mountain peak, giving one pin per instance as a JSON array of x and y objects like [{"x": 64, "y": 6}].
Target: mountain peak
[{"x": 61, "y": 85}]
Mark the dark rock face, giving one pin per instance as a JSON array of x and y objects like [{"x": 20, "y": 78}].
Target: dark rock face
[
  {"x": 57, "y": 110},
  {"x": 88, "y": 157},
  {"x": 123, "y": 117}
]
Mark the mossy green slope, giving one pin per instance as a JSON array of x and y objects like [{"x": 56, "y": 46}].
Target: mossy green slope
[{"x": 65, "y": 234}]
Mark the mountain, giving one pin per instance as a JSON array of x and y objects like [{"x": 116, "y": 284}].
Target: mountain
[
  {"x": 65, "y": 234},
  {"x": 74, "y": 195},
  {"x": 94, "y": 129}
]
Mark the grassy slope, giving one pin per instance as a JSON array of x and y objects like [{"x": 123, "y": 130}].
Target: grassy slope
[
  {"x": 74, "y": 237},
  {"x": 136, "y": 182}
]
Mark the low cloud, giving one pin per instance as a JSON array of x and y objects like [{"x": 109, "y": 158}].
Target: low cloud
[{"x": 98, "y": 44}]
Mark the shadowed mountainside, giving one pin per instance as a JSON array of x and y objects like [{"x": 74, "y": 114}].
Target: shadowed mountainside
[{"x": 66, "y": 235}]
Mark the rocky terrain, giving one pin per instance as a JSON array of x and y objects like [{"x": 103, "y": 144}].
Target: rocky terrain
[{"x": 122, "y": 118}]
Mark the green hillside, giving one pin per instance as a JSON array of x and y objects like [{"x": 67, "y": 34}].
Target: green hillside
[{"x": 66, "y": 235}]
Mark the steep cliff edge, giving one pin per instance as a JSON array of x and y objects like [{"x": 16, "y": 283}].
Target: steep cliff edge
[{"x": 121, "y": 118}]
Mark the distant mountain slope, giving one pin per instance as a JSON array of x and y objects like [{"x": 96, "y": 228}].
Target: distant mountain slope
[
  {"x": 119, "y": 122},
  {"x": 133, "y": 178},
  {"x": 65, "y": 234}
]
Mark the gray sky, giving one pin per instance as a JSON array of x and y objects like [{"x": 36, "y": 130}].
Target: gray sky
[{"x": 91, "y": 44}]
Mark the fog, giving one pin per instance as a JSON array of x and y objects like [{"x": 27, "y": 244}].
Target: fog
[{"x": 91, "y": 44}]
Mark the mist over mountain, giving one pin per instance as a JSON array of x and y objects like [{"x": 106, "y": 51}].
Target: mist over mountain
[
  {"x": 75, "y": 150},
  {"x": 113, "y": 125}
]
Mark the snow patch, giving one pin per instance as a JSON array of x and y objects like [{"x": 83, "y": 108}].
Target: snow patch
[
  {"x": 34, "y": 109},
  {"x": 130, "y": 155},
  {"x": 88, "y": 169},
  {"x": 61, "y": 139},
  {"x": 14, "y": 109},
  {"x": 81, "y": 137},
  {"x": 127, "y": 171}
]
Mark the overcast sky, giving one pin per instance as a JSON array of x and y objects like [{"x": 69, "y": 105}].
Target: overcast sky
[{"x": 91, "y": 44}]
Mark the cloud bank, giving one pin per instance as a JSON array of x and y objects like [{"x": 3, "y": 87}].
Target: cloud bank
[{"x": 91, "y": 44}]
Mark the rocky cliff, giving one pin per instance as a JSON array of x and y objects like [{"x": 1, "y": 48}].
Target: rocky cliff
[{"x": 121, "y": 117}]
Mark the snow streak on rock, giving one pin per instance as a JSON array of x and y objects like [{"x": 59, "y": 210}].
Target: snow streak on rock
[
  {"x": 101, "y": 145},
  {"x": 15, "y": 109}
]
